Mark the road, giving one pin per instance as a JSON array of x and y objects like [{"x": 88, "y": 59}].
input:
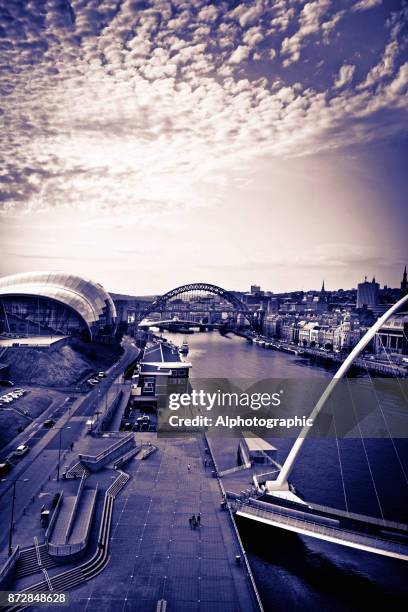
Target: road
[{"x": 41, "y": 462}]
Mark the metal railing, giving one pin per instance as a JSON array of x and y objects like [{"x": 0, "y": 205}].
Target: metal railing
[{"x": 315, "y": 527}]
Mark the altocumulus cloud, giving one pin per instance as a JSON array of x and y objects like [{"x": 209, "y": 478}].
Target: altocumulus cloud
[{"x": 120, "y": 105}]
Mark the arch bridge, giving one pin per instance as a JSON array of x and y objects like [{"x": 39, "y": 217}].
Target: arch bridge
[{"x": 195, "y": 290}]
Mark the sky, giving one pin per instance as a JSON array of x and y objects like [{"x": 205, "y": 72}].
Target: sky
[{"x": 151, "y": 144}]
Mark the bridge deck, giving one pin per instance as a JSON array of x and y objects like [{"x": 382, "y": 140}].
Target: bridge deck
[{"x": 277, "y": 516}]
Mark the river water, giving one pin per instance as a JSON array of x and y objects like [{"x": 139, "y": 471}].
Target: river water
[{"x": 300, "y": 573}]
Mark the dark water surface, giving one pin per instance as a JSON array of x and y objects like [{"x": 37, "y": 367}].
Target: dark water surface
[{"x": 300, "y": 573}]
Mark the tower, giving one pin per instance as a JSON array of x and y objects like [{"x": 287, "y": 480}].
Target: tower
[
  {"x": 367, "y": 294},
  {"x": 404, "y": 283}
]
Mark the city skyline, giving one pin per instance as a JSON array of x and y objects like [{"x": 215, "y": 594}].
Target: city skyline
[{"x": 148, "y": 145}]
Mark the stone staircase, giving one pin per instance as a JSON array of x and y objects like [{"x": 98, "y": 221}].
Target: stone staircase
[{"x": 28, "y": 561}]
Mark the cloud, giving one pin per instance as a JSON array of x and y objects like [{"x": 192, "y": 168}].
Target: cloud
[
  {"x": 239, "y": 55},
  {"x": 384, "y": 68},
  {"x": 143, "y": 108},
  {"x": 365, "y": 5},
  {"x": 345, "y": 76},
  {"x": 399, "y": 85},
  {"x": 208, "y": 13},
  {"x": 309, "y": 22},
  {"x": 248, "y": 16}
]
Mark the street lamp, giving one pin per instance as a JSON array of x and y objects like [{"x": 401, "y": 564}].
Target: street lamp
[{"x": 13, "y": 499}]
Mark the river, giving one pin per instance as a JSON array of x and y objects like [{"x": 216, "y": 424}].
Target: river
[{"x": 294, "y": 573}]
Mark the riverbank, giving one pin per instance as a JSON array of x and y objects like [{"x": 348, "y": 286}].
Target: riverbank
[{"x": 367, "y": 365}]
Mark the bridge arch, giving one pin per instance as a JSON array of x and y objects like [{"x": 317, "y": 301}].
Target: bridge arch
[
  {"x": 282, "y": 483},
  {"x": 160, "y": 302}
]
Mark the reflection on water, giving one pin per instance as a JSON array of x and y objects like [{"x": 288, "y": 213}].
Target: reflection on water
[{"x": 302, "y": 573}]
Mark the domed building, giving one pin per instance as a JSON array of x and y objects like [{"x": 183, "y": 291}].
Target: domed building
[{"x": 54, "y": 303}]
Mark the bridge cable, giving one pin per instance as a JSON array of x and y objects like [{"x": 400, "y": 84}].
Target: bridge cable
[
  {"x": 365, "y": 449},
  {"x": 386, "y": 422},
  {"x": 340, "y": 462}
]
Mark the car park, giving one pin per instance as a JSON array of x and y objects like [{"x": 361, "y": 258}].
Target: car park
[{"x": 21, "y": 450}]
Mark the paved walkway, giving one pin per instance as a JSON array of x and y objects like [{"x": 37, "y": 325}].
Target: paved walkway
[{"x": 154, "y": 554}]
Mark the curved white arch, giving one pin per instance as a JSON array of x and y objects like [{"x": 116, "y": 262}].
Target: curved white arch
[{"x": 281, "y": 483}]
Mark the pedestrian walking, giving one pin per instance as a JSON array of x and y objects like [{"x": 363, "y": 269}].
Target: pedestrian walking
[
  {"x": 188, "y": 467},
  {"x": 199, "y": 519},
  {"x": 194, "y": 521},
  {"x": 71, "y": 446},
  {"x": 190, "y": 520}
]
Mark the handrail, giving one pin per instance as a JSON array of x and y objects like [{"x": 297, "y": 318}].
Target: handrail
[
  {"x": 317, "y": 527},
  {"x": 37, "y": 551},
  {"x": 336, "y": 513},
  {"x": 47, "y": 578}
]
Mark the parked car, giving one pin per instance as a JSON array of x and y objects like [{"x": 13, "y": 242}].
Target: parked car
[
  {"x": 49, "y": 423},
  {"x": 6, "y": 383},
  {"x": 101, "y": 374},
  {"x": 21, "y": 450}
]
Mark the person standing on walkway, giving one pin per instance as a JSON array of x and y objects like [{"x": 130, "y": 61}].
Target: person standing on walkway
[
  {"x": 190, "y": 520},
  {"x": 199, "y": 519},
  {"x": 194, "y": 521},
  {"x": 188, "y": 467}
]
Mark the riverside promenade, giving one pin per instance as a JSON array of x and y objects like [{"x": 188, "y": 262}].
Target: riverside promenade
[{"x": 155, "y": 555}]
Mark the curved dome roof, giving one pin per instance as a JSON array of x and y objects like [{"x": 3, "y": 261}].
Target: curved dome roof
[{"x": 87, "y": 298}]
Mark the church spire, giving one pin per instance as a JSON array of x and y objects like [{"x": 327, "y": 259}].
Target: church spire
[
  {"x": 322, "y": 296},
  {"x": 404, "y": 283}
]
